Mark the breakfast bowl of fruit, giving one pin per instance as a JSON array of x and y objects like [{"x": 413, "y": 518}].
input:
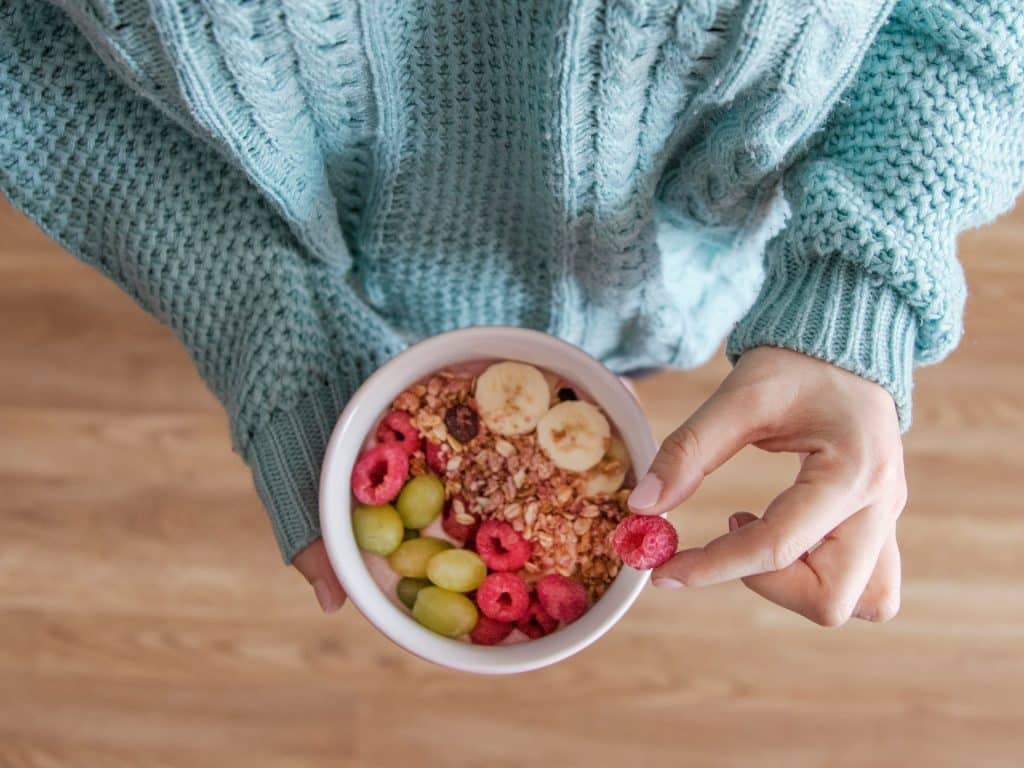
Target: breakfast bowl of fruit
[{"x": 473, "y": 499}]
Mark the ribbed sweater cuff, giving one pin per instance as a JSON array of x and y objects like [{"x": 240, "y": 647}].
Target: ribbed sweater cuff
[
  {"x": 834, "y": 310},
  {"x": 285, "y": 457}
]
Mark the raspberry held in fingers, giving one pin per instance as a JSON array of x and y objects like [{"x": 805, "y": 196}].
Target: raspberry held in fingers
[{"x": 645, "y": 541}]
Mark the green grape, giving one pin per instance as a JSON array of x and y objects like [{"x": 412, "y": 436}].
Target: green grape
[
  {"x": 410, "y": 559},
  {"x": 445, "y": 612},
  {"x": 410, "y": 534},
  {"x": 421, "y": 501},
  {"x": 407, "y": 590},
  {"x": 378, "y": 529},
  {"x": 459, "y": 570}
]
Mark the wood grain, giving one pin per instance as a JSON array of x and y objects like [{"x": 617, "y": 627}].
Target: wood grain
[{"x": 145, "y": 619}]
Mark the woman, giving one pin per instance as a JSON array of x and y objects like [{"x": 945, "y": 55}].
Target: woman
[{"x": 299, "y": 189}]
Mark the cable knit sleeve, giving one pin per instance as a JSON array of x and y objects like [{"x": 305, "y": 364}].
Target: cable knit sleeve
[
  {"x": 281, "y": 337},
  {"x": 927, "y": 141}
]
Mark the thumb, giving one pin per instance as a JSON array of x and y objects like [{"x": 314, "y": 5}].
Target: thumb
[
  {"x": 713, "y": 434},
  {"x": 740, "y": 519},
  {"x": 313, "y": 564}
]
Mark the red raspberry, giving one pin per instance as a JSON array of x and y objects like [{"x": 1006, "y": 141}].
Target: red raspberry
[
  {"x": 397, "y": 427},
  {"x": 503, "y": 597},
  {"x": 645, "y": 541},
  {"x": 379, "y": 473},
  {"x": 437, "y": 457},
  {"x": 464, "y": 532},
  {"x": 537, "y": 622},
  {"x": 490, "y": 632},
  {"x": 563, "y": 598},
  {"x": 500, "y": 547}
]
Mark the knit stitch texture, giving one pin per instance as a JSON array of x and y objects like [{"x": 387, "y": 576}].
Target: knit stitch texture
[{"x": 300, "y": 188}]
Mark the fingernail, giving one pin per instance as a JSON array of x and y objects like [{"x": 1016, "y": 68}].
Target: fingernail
[
  {"x": 734, "y": 523},
  {"x": 646, "y": 493},
  {"x": 329, "y": 601},
  {"x": 663, "y": 583}
]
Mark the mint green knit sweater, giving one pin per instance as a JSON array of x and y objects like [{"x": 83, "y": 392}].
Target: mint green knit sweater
[{"x": 301, "y": 188}]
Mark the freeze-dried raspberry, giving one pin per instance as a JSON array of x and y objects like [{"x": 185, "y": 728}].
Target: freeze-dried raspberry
[
  {"x": 397, "y": 427},
  {"x": 490, "y": 632},
  {"x": 537, "y": 622},
  {"x": 437, "y": 457},
  {"x": 563, "y": 598},
  {"x": 503, "y": 597},
  {"x": 456, "y": 512},
  {"x": 379, "y": 473},
  {"x": 501, "y": 547},
  {"x": 645, "y": 541}
]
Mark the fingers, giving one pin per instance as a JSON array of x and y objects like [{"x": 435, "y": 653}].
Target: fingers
[
  {"x": 881, "y": 599},
  {"x": 827, "y": 586},
  {"x": 313, "y": 564},
  {"x": 794, "y": 522},
  {"x": 726, "y": 422}
]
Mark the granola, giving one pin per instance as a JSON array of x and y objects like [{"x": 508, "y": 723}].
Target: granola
[{"x": 509, "y": 477}]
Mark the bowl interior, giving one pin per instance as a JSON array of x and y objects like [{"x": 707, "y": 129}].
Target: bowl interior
[{"x": 360, "y": 416}]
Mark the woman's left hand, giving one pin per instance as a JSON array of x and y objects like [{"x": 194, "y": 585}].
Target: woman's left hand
[
  {"x": 313, "y": 564},
  {"x": 826, "y": 546}
]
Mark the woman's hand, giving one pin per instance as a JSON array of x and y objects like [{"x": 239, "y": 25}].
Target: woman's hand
[
  {"x": 313, "y": 564},
  {"x": 826, "y": 546}
]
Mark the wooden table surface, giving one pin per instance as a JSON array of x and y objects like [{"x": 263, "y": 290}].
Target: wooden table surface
[{"x": 146, "y": 620}]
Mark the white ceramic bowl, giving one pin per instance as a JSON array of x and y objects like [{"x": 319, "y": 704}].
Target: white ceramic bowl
[{"x": 359, "y": 418}]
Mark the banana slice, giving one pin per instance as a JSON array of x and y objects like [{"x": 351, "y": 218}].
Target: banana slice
[
  {"x": 610, "y": 473},
  {"x": 512, "y": 397},
  {"x": 552, "y": 381},
  {"x": 574, "y": 435}
]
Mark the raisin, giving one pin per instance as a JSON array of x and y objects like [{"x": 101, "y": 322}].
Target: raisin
[
  {"x": 567, "y": 393},
  {"x": 462, "y": 422}
]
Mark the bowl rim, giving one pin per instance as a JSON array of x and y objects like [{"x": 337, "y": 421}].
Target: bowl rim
[{"x": 421, "y": 359}]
